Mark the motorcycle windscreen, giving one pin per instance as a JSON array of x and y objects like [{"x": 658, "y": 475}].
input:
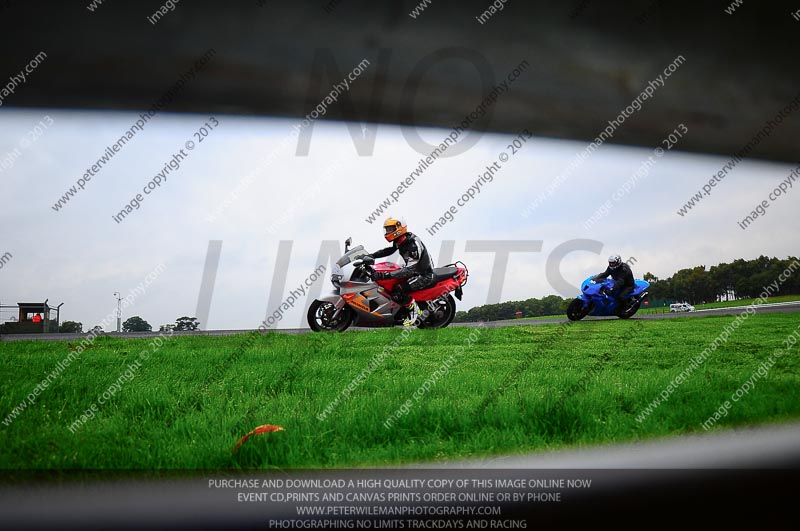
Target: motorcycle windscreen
[
  {"x": 641, "y": 285},
  {"x": 353, "y": 254}
]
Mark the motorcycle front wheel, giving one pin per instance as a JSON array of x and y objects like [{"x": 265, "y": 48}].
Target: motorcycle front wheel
[
  {"x": 320, "y": 317},
  {"x": 576, "y": 311},
  {"x": 441, "y": 312}
]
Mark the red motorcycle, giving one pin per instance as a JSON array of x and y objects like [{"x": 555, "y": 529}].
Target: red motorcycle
[{"x": 360, "y": 300}]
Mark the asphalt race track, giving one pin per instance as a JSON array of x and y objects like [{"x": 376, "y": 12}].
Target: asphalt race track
[{"x": 779, "y": 307}]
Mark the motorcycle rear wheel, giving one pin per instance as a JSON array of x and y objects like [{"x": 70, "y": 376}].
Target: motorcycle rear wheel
[
  {"x": 320, "y": 315},
  {"x": 630, "y": 311},
  {"x": 576, "y": 311},
  {"x": 443, "y": 313}
]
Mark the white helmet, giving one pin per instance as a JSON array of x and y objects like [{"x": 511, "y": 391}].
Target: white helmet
[{"x": 614, "y": 261}]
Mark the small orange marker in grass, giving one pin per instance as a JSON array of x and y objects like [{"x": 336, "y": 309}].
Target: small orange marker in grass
[{"x": 266, "y": 428}]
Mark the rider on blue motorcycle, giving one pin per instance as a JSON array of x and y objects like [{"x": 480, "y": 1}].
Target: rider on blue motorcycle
[
  {"x": 623, "y": 279},
  {"x": 418, "y": 271}
]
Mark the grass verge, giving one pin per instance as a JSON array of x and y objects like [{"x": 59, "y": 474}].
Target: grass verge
[{"x": 570, "y": 385}]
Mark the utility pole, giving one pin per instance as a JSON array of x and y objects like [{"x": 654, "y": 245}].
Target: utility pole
[{"x": 119, "y": 311}]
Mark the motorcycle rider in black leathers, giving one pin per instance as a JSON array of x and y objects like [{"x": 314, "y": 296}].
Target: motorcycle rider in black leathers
[
  {"x": 623, "y": 280},
  {"x": 418, "y": 271}
]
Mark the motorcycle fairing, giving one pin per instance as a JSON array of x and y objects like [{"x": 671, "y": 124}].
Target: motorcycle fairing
[
  {"x": 448, "y": 279},
  {"x": 604, "y": 304}
]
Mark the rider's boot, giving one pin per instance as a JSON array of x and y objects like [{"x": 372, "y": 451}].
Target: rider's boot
[{"x": 413, "y": 314}]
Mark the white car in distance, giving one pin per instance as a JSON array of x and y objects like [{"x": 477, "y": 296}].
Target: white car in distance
[{"x": 682, "y": 307}]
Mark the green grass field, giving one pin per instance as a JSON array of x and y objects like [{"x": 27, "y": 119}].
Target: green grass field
[{"x": 565, "y": 386}]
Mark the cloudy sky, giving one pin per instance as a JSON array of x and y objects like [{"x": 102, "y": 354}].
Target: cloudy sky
[{"x": 80, "y": 256}]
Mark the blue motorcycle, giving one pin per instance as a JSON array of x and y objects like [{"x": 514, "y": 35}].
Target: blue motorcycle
[{"x": 597, "y": 299}]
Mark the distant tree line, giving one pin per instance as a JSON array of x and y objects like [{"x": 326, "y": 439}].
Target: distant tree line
[
  {"x": 550, "y": 305},
  {"x": 133, "y": 324},
  {"x": 184, "y": 323},
  {"x": 71, "y": 327},
  {"x": 136, "y": 324},
  {"x": 741, "y": 279}
]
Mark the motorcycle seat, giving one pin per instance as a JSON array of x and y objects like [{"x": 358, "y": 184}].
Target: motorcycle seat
[{"x": 444, "y": 273}]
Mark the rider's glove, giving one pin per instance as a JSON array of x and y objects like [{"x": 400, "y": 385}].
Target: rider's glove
[{"x": 380, "y": 275}]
